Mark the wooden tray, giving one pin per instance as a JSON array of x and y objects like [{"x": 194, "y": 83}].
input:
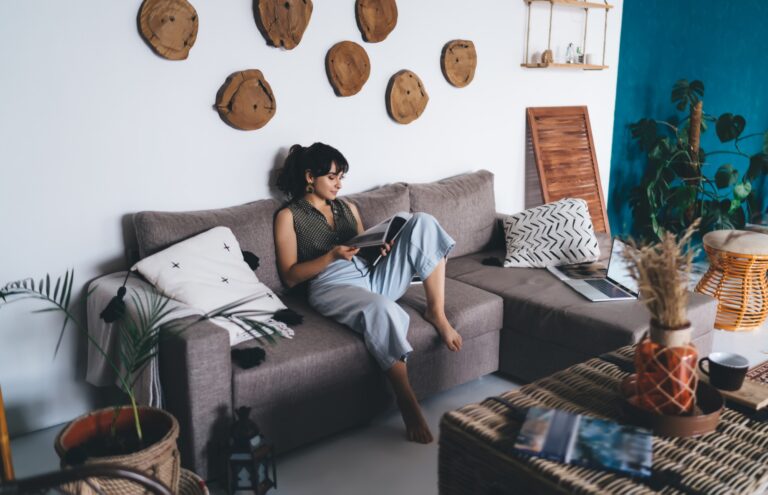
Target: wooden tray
[
  {"x": 752, "y": 394},
  {"x": 709, "y": 405}
]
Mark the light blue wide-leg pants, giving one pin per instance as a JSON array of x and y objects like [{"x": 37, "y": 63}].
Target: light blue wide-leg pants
[{"x": 364, "y": 300}]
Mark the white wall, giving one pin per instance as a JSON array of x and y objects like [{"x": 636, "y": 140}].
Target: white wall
[{"x": 94, "y": 126}]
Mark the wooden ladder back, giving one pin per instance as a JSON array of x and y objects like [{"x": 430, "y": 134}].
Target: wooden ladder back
[{"x": 565, "y": 158}]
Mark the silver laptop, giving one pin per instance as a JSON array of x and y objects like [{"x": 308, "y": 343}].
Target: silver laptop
[{"x": 618, "y": 285}]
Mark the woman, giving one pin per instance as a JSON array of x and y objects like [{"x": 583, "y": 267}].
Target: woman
[{"x": 309, "y": 236}]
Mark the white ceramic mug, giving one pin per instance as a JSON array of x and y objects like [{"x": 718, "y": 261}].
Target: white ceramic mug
[{"x": 588, "y": 58}]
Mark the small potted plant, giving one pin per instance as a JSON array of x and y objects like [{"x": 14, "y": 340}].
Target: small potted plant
[{"x": 140, "y": 437}]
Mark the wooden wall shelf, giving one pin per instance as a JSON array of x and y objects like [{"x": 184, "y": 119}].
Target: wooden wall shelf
[
  {"x": 575, "y": 3},
  {"x": 564, "y": 66},
  {"x": 586, "y": 5}
]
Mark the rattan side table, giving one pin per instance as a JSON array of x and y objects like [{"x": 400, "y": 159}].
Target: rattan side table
[{"x": 737, "y": 278}]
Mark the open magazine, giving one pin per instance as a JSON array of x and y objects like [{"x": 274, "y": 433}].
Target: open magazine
[
  {"x": 381, "y": 233},
  {"x": 592, "y": 442},
  {"x": 372, "y": 239}
]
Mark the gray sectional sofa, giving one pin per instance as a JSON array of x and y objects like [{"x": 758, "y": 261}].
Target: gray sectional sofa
[{"x": 519, "y": 321}]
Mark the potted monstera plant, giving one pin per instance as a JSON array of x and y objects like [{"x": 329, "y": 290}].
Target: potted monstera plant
[
  {"x": 683, "y": 182},
  {"x": 136, "y": 436}
]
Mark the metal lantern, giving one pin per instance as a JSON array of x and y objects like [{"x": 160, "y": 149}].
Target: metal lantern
[{"x": 251, "y": 461}]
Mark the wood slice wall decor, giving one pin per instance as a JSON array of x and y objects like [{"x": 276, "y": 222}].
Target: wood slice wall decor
[
  {"x": 406, "y": 97},
  {"x": 459, "y": 60},
  {"x": 348, "y": 67},
  {"x": 169, "y": 27},
  {"x": 282, "y": 22},
  {"x": 376, "y": 18},
  {"x": 245, "y": 100}
]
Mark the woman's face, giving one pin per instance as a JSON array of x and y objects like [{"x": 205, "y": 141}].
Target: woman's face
[{"x": 327, "y": 186}]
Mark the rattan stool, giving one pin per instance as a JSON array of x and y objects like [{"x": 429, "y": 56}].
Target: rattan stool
[{"x": 737, "y": 278}]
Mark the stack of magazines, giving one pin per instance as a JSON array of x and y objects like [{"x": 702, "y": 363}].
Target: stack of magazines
[{"x": 596, "y": 443}]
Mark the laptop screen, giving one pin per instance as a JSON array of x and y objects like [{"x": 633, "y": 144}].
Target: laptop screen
[{"x": 618, "y": 270}]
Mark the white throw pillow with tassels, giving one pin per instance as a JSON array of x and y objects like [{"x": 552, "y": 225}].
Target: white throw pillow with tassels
[
  {"x": 553, "y": 234},
  {"x": 207, "y": 272}
]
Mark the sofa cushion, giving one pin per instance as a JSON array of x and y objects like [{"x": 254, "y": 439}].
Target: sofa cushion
[
  {"x": 538, "y": 304},
  {"x": 324, "y": 354},
  {"x": 208, "y": 272},
  {"x": 381, "y": 203},
  {"x": 251, "y": 223},
  {"x": 558, "y": 233},
  {"x": 464, "y": 205},
  {"x": 472, "y": 312}
]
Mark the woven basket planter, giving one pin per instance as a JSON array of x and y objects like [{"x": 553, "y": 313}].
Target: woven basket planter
[{"x": 159, "y": 460}]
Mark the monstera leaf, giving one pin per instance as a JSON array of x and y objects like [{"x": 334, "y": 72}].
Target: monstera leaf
[
  {"x": 729, "y": 127},
  {"x": 758, "y": 165},
  {"x": 725, "y": 176},
  {"x": 685, "y": 94},
  {"x": 645, "y": 131}
]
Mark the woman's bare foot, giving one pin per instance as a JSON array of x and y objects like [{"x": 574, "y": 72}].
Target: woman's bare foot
[
  {"x": 415, "y": 425},
  {"x": 449, "y": 335}
]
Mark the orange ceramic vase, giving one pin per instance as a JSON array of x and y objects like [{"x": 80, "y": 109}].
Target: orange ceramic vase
[{"x": 665, "y": 361}]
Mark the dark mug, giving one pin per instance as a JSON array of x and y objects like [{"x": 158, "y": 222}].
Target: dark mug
[{"x": 725, "y": 370}]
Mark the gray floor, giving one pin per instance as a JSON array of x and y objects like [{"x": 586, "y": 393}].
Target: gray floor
[{"x": 372, "y": 460}]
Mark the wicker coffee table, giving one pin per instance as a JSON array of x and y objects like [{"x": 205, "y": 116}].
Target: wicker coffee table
[{"x": 476, "y": 454}]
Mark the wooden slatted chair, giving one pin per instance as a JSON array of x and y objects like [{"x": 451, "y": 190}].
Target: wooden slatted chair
[{"x": 565, "y": 158}]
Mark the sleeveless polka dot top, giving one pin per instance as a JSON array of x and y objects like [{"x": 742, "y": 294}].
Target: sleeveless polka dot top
[{"x": 314, "y": 236}]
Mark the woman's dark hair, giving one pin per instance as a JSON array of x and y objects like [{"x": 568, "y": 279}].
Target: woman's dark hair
[{"x": 318, "y": 159}]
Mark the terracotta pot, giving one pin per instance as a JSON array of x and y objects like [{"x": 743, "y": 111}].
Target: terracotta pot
[
  {"x": 159, "y": 460},
  {"x": 666, "y": 362}
]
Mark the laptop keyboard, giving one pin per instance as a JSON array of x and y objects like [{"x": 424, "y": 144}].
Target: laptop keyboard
[{"x": 606, "y": 288}]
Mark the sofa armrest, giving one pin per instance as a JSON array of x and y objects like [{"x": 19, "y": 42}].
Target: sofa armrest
[{"x": 196, "y": 376}]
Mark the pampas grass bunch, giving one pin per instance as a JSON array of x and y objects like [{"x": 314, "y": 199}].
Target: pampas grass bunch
[{"x": 662, "y": 271}]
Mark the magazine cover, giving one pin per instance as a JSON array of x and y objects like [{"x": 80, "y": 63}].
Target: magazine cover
[
  {"x": 609, "y": 445},
  {"x": 596, "y": 443}
]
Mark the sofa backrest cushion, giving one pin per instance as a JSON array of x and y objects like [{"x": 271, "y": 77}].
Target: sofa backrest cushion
[
  {"x": 381, "y": 203},
  {"x": 465, "y": 207},
  {"x": 251, "y": 223}
]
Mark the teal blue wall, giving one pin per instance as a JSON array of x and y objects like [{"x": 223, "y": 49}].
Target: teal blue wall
[{"x": 723, "y": 43}]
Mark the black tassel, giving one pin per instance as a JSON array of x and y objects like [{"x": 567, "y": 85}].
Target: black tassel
[
  {"x": 251, "y": 259},
  {"x": 116, "y": 307},
  {"x": 288, "y": 316},
  {"x": 248, "y": 357},
  {"x": 492, "y": 261}
]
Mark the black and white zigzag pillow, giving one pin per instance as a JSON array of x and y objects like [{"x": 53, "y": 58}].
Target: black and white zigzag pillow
[{"x": 558, "y": 233}]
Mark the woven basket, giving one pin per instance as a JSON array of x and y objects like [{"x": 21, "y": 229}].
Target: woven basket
[
  {"x": 159, "y": 460},
  {"x": 191, "y": 484}
]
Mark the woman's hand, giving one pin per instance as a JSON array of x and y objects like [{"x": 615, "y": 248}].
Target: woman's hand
[
  {"x": 343, "y": 252},
  {"x": 387, "y": 247}
]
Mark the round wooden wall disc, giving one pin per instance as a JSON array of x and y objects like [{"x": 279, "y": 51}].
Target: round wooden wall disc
[
  {"x": 246, "y": 101},
  {"x": 283, "y": 22},
  {"x": 348, "y": 67},
  {"x": 458, "y": 62},
  {"x": 169, "y": 26},
  {"x": 406, "y": 97},
  {"x": 376, "y": 18}
]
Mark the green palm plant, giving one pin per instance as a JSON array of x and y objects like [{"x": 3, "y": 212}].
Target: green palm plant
[{"x": 139, "y": 335}]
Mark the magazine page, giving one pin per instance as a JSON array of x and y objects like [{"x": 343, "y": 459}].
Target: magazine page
[
  {"x": 614, "y": 447},
  {"x": 380, "y": 233},
  {"x": 546, "y": 433}
]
